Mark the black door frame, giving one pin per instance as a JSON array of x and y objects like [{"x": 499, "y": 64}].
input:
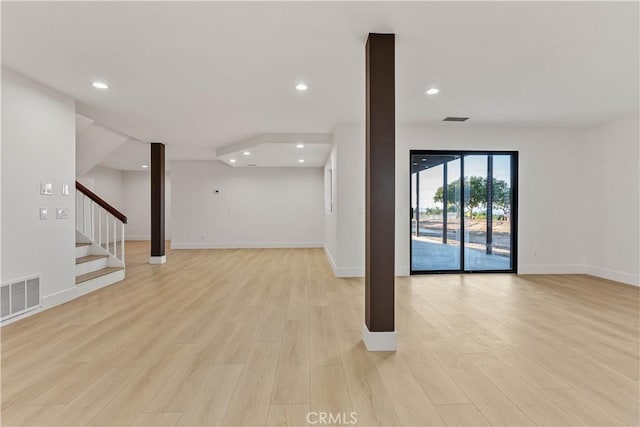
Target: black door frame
[{"x": 514, "y": 208}]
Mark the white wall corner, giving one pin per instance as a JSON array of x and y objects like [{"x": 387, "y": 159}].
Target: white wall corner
[
  {"x": 331, "y": 261},
  {"x": 379, "y": 341}
]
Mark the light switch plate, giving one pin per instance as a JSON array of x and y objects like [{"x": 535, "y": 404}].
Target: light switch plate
[
  {"x": 62, "y": 213},
  {"x": 65, "y": 189},
  {"x": 46, "y": 188},
  {"x": 43, "y": 213}
]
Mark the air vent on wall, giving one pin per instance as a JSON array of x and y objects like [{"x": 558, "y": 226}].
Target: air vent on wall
[
  {"x": 19, "y": 296},
  {"x": 252, "y": 165},
  {"x": 455, "y": 119}
]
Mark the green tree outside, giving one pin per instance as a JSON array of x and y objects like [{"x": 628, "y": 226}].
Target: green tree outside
[{"x": 476, "y": 194}]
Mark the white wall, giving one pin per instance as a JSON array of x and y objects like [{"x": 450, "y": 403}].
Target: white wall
[
  {"x": 38, "y": 145},
  {"x": 350, "y": 200},
  {"x": 256, "y": 207},
  {"x": 107, "y": 183},
  {"x": 137, "y": 202},
  {"x": 130, "y": 193},
  {"x": 549, "y": 243},
  {"x": 612, "y": 200}
]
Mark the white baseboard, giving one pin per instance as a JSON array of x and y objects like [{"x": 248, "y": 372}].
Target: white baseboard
[
  {"x": 605, "y": 273},
  {"x": 618, "y": 276},
  {"x": 250, "y": 245},
  {"x": 331, "y": 261},
  {"x": 552, "y": 269},
  {"x": 158, "y": 259},
  {"x": 379, "y": 341},
  {"x": 402, "y": 271},
  {"x": 60, "y": 297},
  {"x": 139, "y": 237},
  {"x": 349, "y": 272}
]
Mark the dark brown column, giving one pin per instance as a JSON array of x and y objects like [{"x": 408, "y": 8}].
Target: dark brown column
[
  {"x": 379, "y": 332},
  {"x": 157, "y": 204}
]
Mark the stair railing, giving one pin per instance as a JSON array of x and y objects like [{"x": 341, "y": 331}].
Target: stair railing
[{"x": 100, "y": 222}]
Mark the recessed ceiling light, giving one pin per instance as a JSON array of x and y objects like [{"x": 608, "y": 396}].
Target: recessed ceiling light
[
  {"x": 246, "y": 153},
  {"x": 232, "y": 160},
  {"x": 100, "y": 85},
  {"x": 300, "y": 146},
  {"x": 301, "y": 161},
  {"x": 144, "y": 166},
  {"x": 432, "y": 91},
  {"x": 301, "y": 87},
  {"x": 415, "y": 164}
]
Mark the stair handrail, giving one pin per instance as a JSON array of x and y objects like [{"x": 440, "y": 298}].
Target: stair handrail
[{"x": 100, "y": 202}]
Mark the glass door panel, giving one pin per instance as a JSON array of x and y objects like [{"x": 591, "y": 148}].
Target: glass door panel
[
  {"x": 435, "y": 226},
  {"x": 487, "y": 197},
  {"x": 463, "y": 211}
]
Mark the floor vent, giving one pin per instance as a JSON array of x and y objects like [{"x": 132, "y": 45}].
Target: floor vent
[{"x": 19, "y": 296}]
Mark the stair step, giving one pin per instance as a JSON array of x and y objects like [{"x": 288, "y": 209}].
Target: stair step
[
  {"x": 94, "y": 274},
  {"x": 80, "y": 244},
  {"x": 88, "y": 258}
]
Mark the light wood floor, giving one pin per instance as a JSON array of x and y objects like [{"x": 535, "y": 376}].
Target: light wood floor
[{"x": 254, "y": 337}]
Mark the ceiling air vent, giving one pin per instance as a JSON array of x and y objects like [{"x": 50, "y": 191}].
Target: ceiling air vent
[
  {"x": 252, "y": 165},
  {"x": 455, "y": 119}
]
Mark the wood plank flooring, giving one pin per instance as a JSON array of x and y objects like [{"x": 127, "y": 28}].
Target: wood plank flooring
[{"x": 263, "y": 337}]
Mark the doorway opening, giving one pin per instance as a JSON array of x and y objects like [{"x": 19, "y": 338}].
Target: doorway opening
[{"x": 464, "y": 211}]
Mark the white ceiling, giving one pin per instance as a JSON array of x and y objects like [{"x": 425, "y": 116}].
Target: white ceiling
[
  {"x": 202, "y": 75},
  {"x": 278, "y": 150}
]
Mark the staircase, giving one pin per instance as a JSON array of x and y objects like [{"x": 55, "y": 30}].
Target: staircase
[{"x": 99, "y": 242}]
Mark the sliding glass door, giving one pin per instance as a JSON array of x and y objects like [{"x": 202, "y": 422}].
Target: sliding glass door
[{"x": 463, "y": 207}]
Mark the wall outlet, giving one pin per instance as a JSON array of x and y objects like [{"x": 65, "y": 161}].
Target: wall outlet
[
  {"x": 44, "y": 213},
  {"x": 62, "y": 213}
]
